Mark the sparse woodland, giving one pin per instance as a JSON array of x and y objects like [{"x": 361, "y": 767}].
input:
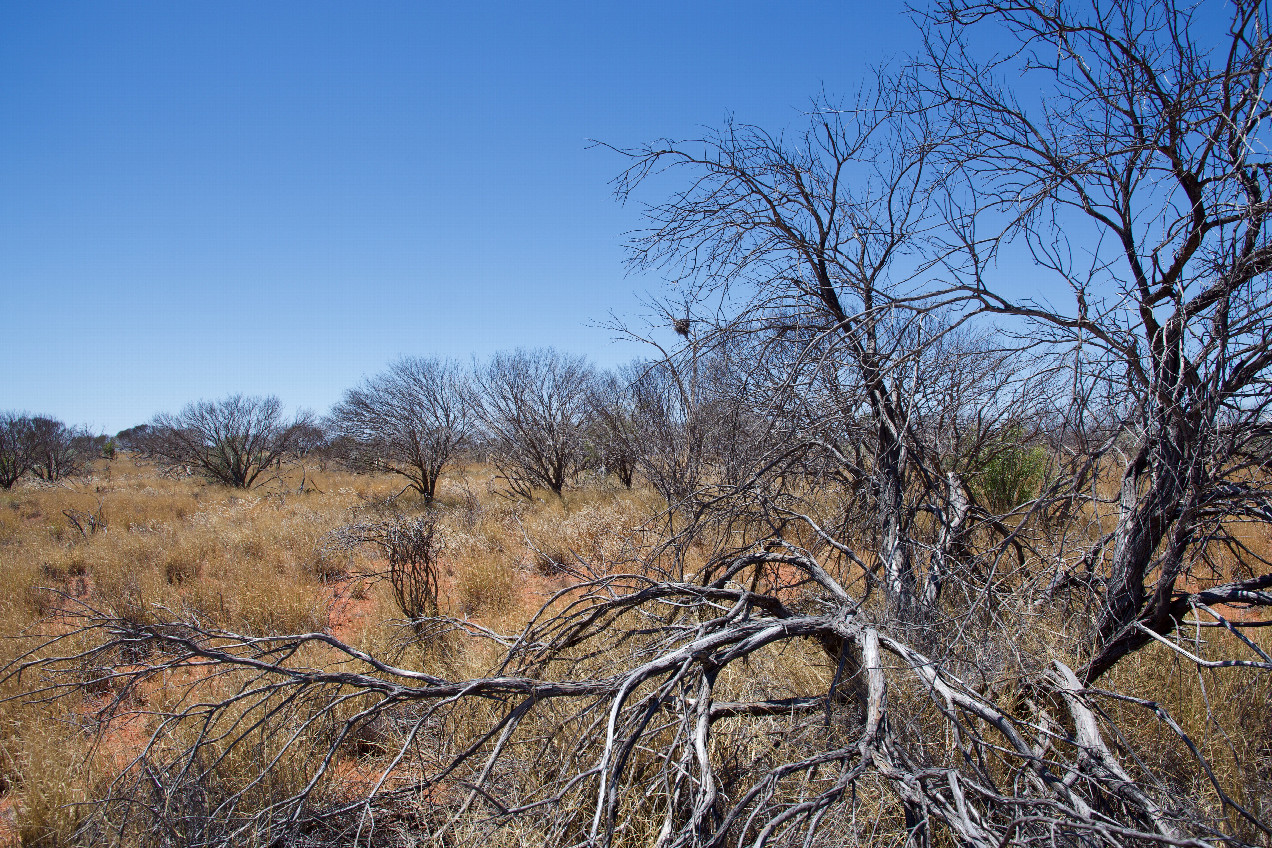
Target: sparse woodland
[{"x": 940, "y": 513}]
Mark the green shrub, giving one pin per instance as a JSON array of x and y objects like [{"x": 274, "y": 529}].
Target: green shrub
[{"x": 1009, "y": 472}]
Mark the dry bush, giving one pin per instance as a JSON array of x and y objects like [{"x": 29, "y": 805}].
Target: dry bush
[
  {"x": 410, "y": 545},
  {"x": 172, "y": 547},
  {"x": 592, "y": 530},
  {"x": 1222, "y": 711},
  {"x": 51, "y": 763},
  {"x": 487, "y": 588}
]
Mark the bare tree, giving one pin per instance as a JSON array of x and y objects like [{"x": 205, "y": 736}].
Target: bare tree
[
  {"x": 674, "y": 428},
  {"x": 535, "y": 405},
  {"x": 231, "y": 441},
  {"x": 615, "y": 433},
  {"x": 695, "y": 422},
  {"x": 823, "y": 242},
  {"x": 58, "y": 451},
  {"x": 1139, "y": 180},
  {"x": 15, "y": 447},
  {"x": 310, "y": 439},
  {"x": 133, "y": 438},
  {"x": 409, "y": 421},
  {"x": 411, "y": 546}
]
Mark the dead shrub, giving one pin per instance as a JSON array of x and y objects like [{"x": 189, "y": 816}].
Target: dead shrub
[{"x": 411, "y": 546}]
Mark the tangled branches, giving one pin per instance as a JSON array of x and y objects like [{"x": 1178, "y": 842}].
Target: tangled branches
[
  {"x": 410, "y": 546},
  {"x": 630, "y": 710}
]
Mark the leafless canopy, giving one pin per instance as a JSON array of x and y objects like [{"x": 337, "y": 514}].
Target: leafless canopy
[
  {"x": 535, "y": 405},
  {"x": 409, "y": 420},
  {"x": 231, "y": 441},
  {"x": 688, "y": 419},
  {"x": 614, "y": 432},
  {"x": 827, "y": 246},
  {"x": 15, "y": 447},
  {"x": 1137, "y": 178},
  {"x": 57, "y": 450}
]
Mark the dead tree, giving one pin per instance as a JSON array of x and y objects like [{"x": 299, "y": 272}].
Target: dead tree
[
  {"x": 1138, "y": 181},
  {"x": 825, "y": 240},
  {"x": 15, "y": 448},
  {"x": 615, "y": 434},
  {"x": 408, "y": 421},
  {"x": 535, "y": 406},
  {"x": 231, "y": 441},
  {"x": 56, "y": 450}
]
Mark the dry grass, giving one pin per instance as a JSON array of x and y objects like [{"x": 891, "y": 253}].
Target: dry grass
[
  {"x": 1225, "y": 713},
  {"x": 259, "y": 563},
  {"x": 254, "y": 562}
]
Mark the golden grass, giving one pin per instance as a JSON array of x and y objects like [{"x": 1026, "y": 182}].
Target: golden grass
[
  {"x": 1224, "y": 711},
  {"x": 258, "y": 562}
]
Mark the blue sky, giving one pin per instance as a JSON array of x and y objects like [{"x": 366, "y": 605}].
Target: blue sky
[{"x": 279, "y": 198}]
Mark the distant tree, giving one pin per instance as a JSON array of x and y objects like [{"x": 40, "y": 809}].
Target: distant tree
[
  {"x": 230, "y": 441},
  {"x": 310, "y": 438},
  {"x": 133, "y": 438},
  {"x": 615, "y": 435},
  {"x": 15, "y": 448},
  {"x": 742, "y": 432},
  {"x": 409, "y": 421},
  {"x": 535, "y": 403},
  {"x": 93, "y": 447},
  {"x": 673, "y": 428},
  {"x": 58, "y": 451}
]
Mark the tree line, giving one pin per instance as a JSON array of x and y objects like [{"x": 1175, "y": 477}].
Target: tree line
[
  {"x": 45, "y": 448},
  {"x": 542, "y": 417}
]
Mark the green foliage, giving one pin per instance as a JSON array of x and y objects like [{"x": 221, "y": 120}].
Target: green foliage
[{"x": 1009, "y": 472}]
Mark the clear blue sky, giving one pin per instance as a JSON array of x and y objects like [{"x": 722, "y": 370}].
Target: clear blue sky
[{"x": 279, "y": 198}]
